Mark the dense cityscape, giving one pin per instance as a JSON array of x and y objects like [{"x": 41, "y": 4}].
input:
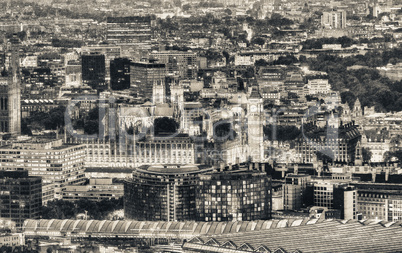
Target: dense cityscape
[{"x": 201, "y": 126}]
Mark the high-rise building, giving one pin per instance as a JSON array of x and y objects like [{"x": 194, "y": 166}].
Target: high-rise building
[
  {"x": 165, "y": 193},
  {"x": 123, "y": 30},
  {"x": 110, "y": 52},
  {"x": 143, "y": 77},
  {"x": 333, "y": 20},
  {"x": 120, "y": 73},
  {"x": 93, "y": 70},
  {"x": 178, "y": 64},
  {"x": 10, "y": 93},
  {"x": 234, "y": 195},
  {"x": 294, "y": 191},
  {"x": 21, "y": 196},
  {"x": 54, "y": 162}
]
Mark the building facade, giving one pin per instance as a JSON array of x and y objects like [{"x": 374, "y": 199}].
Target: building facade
[
  {"x": 93, "y": 70},
  {"x": 382, "y": 201},
  {"x": 333, "y": 20},
  {"x": 234, "y": 195},
  {"x": 120, "y": 73},
  {"x": 334, "y": 144},
  {"x": 294, "y": 191},
  {"x": 54, "y": 162},
  {"x": 178, "y": 64},
  {"x": 123, "y": 30},
  {"x": 179, "y": 149},
  {"x": 21, "y": 196},
  {"x": 164, "y": 192},
  {"x": 97, "y": 189},
  {"x": 143, "y": 77}
]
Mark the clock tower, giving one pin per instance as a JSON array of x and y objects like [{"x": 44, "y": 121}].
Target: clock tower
[{"x": 255, "y": 135}]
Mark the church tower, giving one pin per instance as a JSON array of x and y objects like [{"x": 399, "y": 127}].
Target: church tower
[
  {"x": 10, "y": 92},
  {"x": 158, "y": 92},
  {"x": 255, "y": 133}
]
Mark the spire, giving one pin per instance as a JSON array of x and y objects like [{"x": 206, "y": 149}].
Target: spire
[{"x": 255, "y": 93}]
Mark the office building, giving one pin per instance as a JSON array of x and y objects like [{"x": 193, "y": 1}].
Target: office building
[
  {"x": 54, "y": 162},
  {"x": 120, "y": 73},
  {"x": 21, "y": 196},
  {"x": 337, "y": 195},
  {"x": 124, "y": 30},
  {"x": 178, "y": 64},
  {"x": 318, "y": 86},
  {"x": 162, "y": 193},
  {"x": 234, "y": 195},
  {"x": 93, "y": 70},
  {"x": 382, "y": 201},
  {"x": 110, "y": 52},
  {"x": 345, "y": 200},
  {"x": 333, "y": 20},
  {"x": 143, "y": 77},
  {"x": 294, "y": 191},
  {"x": 97, "y": 189}
]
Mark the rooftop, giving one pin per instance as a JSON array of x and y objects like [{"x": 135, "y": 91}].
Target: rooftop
[{"x": 309, "y": 236}]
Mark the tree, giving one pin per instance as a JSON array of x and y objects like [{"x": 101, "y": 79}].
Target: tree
[
  {"x": 281, "y": 133},
  {"x": 186, "y": 7},
  {"x": 258, "y": 41},
  {"x": 228, "y": 12},
  {"x": 165, "y": 125},
  {"x": 223, "y": 129},
  {"x": 286, "y": 60},
  {"x": 261, "y": 63},
  {"x": 366, "y": 154}
]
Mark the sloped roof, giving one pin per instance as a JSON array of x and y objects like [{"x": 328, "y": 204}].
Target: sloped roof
[
  {"x": 326, "y": 236},
  {"x": 164, "y": 110}
]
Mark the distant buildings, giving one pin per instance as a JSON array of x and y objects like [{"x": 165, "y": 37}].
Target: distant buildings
[
  {"x": 123, "y": 30},
  {"x": 318, "y": 86},
  {"x": 21, "y": 196},
  {"x": 333, "y": 20},
  {"x": 177, "y": 149},
  {"x": 12, "y": 239},
  {"x": 178, "y": 64}
]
